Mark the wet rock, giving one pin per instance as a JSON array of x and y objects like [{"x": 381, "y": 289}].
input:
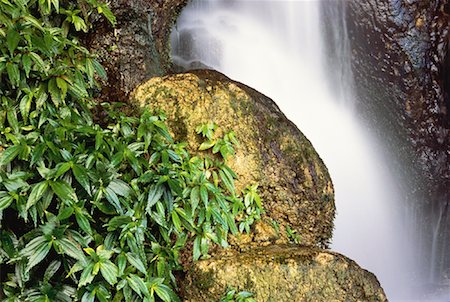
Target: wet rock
[
  {"x": 401, "y": 65},
  {"x": 293, "y": 181},
  {"x": 282, "y": 273},
  {"x": 137, "y": 48},
  {"x": 399, "y": 51}
]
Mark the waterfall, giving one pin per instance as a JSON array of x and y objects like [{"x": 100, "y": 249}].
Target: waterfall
[{"x": 278, "y": 48}]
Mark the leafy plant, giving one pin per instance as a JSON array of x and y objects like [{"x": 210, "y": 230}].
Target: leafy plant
[
  {"x": 233, "y": 296},
  {"x": 92, "y": 212},
  {"x": 292, "y": 235},
  {"x": 224, "y": 145}
]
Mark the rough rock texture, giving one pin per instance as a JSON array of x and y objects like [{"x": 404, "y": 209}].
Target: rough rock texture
[
  {"x": 294, "y": 183},
  {"x": 398, "y": 53},
  {"x": 137, "y": 48},
  {"x": 401, "y": 65},
  {"x": 283, "y": 273}
]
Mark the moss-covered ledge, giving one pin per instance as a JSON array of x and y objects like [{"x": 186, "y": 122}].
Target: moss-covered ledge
[{"x": 282, "y": 273}]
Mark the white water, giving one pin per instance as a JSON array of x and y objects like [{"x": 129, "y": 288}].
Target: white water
[{"x": 277, "y": 48}]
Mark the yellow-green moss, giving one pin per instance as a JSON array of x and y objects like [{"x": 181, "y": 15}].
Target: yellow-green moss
[{"x": 284, "y": 273}]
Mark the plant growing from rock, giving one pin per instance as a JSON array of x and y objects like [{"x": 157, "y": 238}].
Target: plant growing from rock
[
  {"x": 233, "y": 296},
  {"x": 94, "y": 211}
]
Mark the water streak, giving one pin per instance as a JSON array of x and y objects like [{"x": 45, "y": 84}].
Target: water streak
[{"x": 277, "y": 47}]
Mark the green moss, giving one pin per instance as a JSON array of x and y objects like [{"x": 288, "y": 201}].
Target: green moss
[{"x": 287, "y": 273}]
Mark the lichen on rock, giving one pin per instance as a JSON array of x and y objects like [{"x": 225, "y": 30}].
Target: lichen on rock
[
  {"x": 293, "y": 181},
  {"x": 283, "y": 273}
]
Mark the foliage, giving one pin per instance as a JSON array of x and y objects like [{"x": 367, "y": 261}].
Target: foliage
[
  {"x": 93, "y": 212},
  {"x": 292, "y": 235},
  {"x": 233, "y": 296},
  {"x": 249, "y": 209}
]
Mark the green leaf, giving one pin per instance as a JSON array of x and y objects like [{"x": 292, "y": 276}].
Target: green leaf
[
  {"x": 38, "y": 153},
  {"x": 41, "y": 96},
  {"x": 13, "y": 73},
  {"x": 103, "y": 9},
  {"x": 98, "y": 140},
  {"x": 55, "y": 92},
  {"x": 118, "y": 221},
  {"x": 82, "y": 177},
  {"x": 78, "y": 90},
  {"x": 56, "y": 5},
  {"x": 120, "y": 187},
  {"x": 64, "y": 191},
  {"x": 5, "y": 202},
  {"x": 62, "y": 168},
  {"x": 204, "y": 195},
  {"x": 89, "y": 69},
  {"x": 136, "y": 262},
  {"x": 65, "y": 213},
  {"x": 79, "y": 23},
  {"x": 112, "y": 198},
  {"x": 8, "y": 155},
  {"x": 218, "y": 218},
  {"x": 73, "y": 250},
  {"x": 138, "y": 285},
  {"x": 25, "y": 106},
  {"x": 89, "y": 296},
  {"x": 26, "y": 62},
  {"x": 206, "y": 145},
  {"x": 195, "y": 198},
  {"x": 229, "y": 184},
  {"x": 99, "y": 70},
  {"x": 12, "y": 40},
  {"x": 36, "y": 193},
  {"x": 7, "y": 243},
  {"x": 176, "y": 221},
  {"x": 15, "y": 184},
  {"x": 165, "y": 293},
  {"x": 33, "y": 21},
  {"x": 39, "y": 253},
  {"x": 51, "y": 270},
  {"x": 109, "y": 271},
  {"x": 86, "y": 276},
  {"x": 132, "y": 159},
  {"x": 38, "y": 61},
  {"x": 197, "y": 249},
  {"x": 62, "y": 84},
  {"x": 83, "y": 222},
  {"x": 154, "y": 195},
  {"x": 231, "y": 223},
  {"x": 122, "y": 263},
  {"x": 13, "y": 122},
  {"x": 174, "y": 185}
]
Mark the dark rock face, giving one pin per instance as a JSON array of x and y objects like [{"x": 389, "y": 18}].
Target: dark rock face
[
  {"x": 137, "y": 48},
  {"x": 401, "y": 67},
  {"x": 399, "y": 49}
]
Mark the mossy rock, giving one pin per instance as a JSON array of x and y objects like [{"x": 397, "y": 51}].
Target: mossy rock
[
  {"x": 282, "y": 273},
  {"x": 294, "y": 184}
]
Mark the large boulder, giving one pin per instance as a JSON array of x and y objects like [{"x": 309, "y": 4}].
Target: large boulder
[
  {"x": 282, "y": 273},
  {"x": 294, "y": 183}
]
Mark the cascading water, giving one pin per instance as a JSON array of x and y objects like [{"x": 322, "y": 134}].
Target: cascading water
[{"x": 277, "y": 48}]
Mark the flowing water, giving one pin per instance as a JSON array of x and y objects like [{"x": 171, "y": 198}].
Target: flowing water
[{"x": 277, "y": 48}]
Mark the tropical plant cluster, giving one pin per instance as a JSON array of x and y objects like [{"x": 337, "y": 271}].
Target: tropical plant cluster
[{"x": 97, "y": 211}]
